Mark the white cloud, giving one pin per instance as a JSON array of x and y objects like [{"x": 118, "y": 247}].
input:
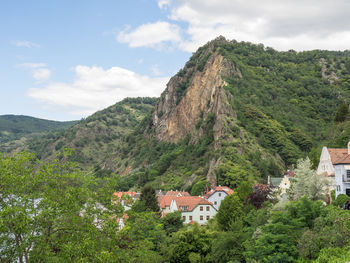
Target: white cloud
[
  {"x": 26, "y": 44},
  {"x": 156, "y": 71},
  {"x": 41, "y": 74},
  {"x": 95, "y": 88},
  {"x": 39, "y": 71},
  {"x": 287, "y": 24},
  {"x": 151, "y": 35}
]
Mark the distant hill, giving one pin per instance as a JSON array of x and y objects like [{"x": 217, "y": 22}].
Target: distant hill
[
  {"x": 15, "y": 129},
  {"x": 236, "y": 112}
]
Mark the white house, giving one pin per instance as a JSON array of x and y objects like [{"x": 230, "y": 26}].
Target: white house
[
  {"x": 193, "y": 209},
  {"x": 280, "y": 183},
  {"x": 218, "y": 194},
  {"x": 329, "y": 157},
  {"x": 342, "y": 174},
  {"x": 165, "y": 200}
]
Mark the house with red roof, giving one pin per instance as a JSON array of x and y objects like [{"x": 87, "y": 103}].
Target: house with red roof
[
  {"x": 165, "y": 200},
  {"x": 126, "y": 198},
  {"x": 193, "y": 209},
  {"x": 342, "y": 173},
  {"x": 216, "y": 195},
  {"x": 329, "y": 157}
]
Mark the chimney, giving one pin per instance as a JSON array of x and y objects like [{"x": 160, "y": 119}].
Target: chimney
[{"x": 349, "y": 147}]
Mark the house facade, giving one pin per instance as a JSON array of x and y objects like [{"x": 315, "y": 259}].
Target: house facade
[
  {"x": 165, "y": 200},
  {"x": 342, "y": 174},
  {"x": 330, "y": 161},
  {"x": 216, "y": 195},
  {"x": 193, "y": 209}
]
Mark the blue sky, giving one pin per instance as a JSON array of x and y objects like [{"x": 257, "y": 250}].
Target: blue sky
[{"x": 64, "y": 60}]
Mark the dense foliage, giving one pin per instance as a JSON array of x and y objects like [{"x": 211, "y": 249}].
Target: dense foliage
[
  {"x": 16, "y": 129},
  {"x": 53, "y": 212}
]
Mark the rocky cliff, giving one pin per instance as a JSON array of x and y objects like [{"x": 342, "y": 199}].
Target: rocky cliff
[{"x": 178, "y": 114}]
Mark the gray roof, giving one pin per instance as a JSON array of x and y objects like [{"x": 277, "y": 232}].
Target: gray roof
[{"x": 276, "y": 181}]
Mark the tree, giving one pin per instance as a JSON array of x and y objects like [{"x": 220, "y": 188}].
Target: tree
[
  {"x": 307, "y": 183},
  {"x": 228, "y": 246},
  {"x": 277, "y": 242},
  {"x": 172, "y": 222},
  {"x": 342, "y": 113},
  {"x": 230, "y": 212},
  {"x": 191, "y": 244},
  {"x": 261, "y": 193},
  {"x": 149, "y": 199},
  {"x": 49, "y": 213}
]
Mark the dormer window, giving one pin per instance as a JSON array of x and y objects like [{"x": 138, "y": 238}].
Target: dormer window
[{"x": 184, "y": 208}]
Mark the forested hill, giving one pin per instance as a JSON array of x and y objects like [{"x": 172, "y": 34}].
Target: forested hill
[
  {"x": 15, "y": 127},
  {"x": 236, "y": 111}
]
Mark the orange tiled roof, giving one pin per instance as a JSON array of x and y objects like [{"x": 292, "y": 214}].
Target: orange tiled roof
[
  {"x": 344, "y": 160},
  {"x": 337, "y": 154},
  {"x": 165, "y": 200},
  {"x": 225, "y": 189},
  {"x": 120, "y": 194},
  {"x": 191, "y": 202},
  {"x": 175, "y": 193}
]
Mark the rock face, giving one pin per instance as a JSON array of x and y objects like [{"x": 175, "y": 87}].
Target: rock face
[{"x": 176, "y": 117}]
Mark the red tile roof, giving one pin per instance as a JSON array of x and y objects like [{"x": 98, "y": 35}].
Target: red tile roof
[
  {"x": 343, "y": 160},
  {"x": 191, "y": 202},
  {"x": 165, "y": 200},
  {"x": 176, "y": 193},
  {"x": 219, "y": 189},
  {"x": 337, "y": 154},
  {"x": 120, "y": 194}
]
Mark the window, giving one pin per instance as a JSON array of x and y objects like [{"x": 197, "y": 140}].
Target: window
[
  {"x": 219, "y": 194},
  {"x": 184, "y": 218},
  {"x": 190, "y": 218},
  {"x": 201, "y": 218},
  {"x": 215, "y": 203},
  {"x": 208, "y": 208},
  {"x": 184, "y": 208},
  {"x": 347, "y": 173},
  {"x": 208, "y": 217},
  {"x": 201, "y": 208}
]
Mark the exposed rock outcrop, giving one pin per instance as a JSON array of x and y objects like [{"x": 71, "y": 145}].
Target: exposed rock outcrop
[{"x": 174, "y": 118}]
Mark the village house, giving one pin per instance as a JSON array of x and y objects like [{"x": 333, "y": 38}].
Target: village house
[
  {"x": 165, "y": 200},
  {"x": 126, "y": 198},
  {"x": 342, "y": 173},
  {"x": 193, "y": 209},
  {"x": 281, "y": 184},
  {"x": 216, "y": 195},
  {"x": 329, "y": 157}
]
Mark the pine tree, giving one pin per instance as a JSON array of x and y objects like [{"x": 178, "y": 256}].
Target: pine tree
[{"x": 149, "y": 199}]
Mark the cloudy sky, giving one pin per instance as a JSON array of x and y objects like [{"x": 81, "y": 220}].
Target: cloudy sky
[{"x": 64, "y": 60}]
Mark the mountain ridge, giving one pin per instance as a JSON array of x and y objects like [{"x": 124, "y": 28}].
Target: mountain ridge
[{"x": 236, "y": 111}]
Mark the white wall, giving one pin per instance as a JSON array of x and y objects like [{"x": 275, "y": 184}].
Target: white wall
[
  {"x": 325, "y": 164},
  {"x": 340, "y": 172},
  {"x": 196, "y": 214},
  {"x": 216, "y": 198}
]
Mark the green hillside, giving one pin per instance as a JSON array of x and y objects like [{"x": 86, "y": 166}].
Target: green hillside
[
  {"x": 285, "y": 104},
  {"x": 16, "y": 129},
  {"x": 96, "y": 138},
  {"x": 278, "y": 107}
]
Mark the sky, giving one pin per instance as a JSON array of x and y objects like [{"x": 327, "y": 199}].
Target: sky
[{"x": 64, "y": 60}]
